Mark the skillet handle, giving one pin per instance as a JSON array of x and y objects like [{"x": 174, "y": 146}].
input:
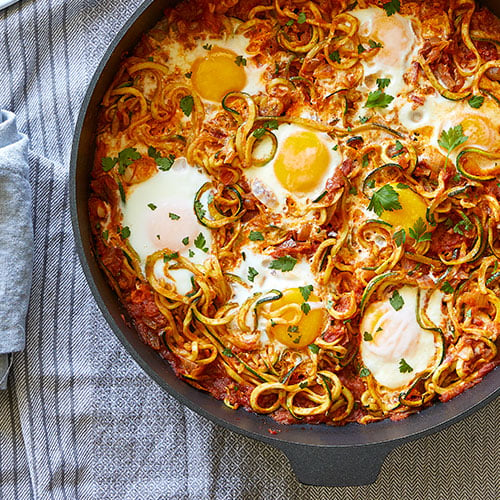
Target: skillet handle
[{"x": 334, "y": 466}]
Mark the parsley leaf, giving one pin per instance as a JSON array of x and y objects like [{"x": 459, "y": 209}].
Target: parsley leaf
[
  {"x": 108, "y": 163},
  {"x": 240, "y": 61},
  {"x": 367, "y": 336},
  {"x": 386, "y": 198},
  {"x": 313, "y": 348},
  {"x": 284, "y": 264},
  {"x": 289, "y": 22},
  {"x": 417, "y": 232},
  {"x": 293, "y": 329},
  {"x": 404, "y": 367},
  {"x": 269, "y": 125},
  {"x": 169, "y": 256},
  {"x": 361, "y": 49},
  {"x": 396, "y": 301},
  {"x": 227, "y": 352},
  {"x": 164, "y": 164},
  {"x": 125, "y": 232},
  {"x": 335, "y": 56},
  {"x": 126, "y": 157},
  {"x": 382, "y": 83},
  {"x": 451, "y": 138},
  {"x": 200, "y": 242},
  {"x": 365, "y": 161},
  {"x": 152, "y": 206},
  {"x": 252, "y": 273},
  {"x": 256, "y": 236},
  {"x": 399, "y": 237},
  {"x": 105, "y": 235},
  {"x": 122, "y": 191},
  {"x": 301, "y": 19},
  {"x": 187, "y": 103},
  {"x": 391, "y": 7},
  {"x": 378, "y": 99},
  {"x": 364, "y": 372},
  {"x": 447, "y": 288},
  {"x": 305, "y": 307},
  {"x": 374, "y": 45},
  {"x": 305, "y": 291},
  {"x": 174, "y": 216},
  {"x": 476, "y": 101},
  {"x": 185, "y": 241}
]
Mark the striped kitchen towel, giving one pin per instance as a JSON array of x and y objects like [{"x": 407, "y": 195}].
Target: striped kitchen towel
[
  {"x": 16, "y": 240},
  {"x": 80, "y": 420}
]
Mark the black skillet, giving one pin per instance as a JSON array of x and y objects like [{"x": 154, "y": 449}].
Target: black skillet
[{"x": 319, "y": 455}]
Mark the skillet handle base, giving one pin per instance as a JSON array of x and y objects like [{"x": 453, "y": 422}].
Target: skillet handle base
[{"x": 328, "y": 466}]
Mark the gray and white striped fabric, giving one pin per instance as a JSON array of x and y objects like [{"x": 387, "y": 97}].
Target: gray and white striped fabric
[{"x": 81, "y": 420}]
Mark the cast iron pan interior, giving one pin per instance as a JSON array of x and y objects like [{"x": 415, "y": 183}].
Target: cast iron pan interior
[{"x": 319, "y": 455}]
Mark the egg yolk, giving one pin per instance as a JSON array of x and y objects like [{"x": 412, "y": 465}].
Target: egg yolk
[
  {"x": 413, "y": 208},
  {"x": 302, "y": 162},
  {"x": 480, "y": 132},
  {"x": 217, "y": 74},
  {"x": 292, "y": 326}
]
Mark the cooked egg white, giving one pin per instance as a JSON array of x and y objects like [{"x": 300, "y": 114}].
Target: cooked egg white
[
  {"x": 399, "y": 46},
  {"x": 303, "y": 162},
  {"x": 159, "y": 213},
  {"x": 255, "y": 271},
  {"x": 396, "y": 336}
]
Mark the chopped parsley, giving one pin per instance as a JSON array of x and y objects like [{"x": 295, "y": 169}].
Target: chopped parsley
[
  {"x": 227, "y": 352},
  {"x": 451, "y": 138},
  {"x": 367, "y": 336},
  {"x": 399, "y": 237},
  {"x": 353, "y": 190},
  {"x": 313, "y": 348},
  {"x": 283, "y": 264},
  {"x": 122, "y": 191},
  {"x": 334, "y": 148},
  {"x": 396, "y": 301},
  {"x": 187, "y": 103},
  {"x": 200, "y": 242},
  {"x": 417, "y": 232},
  {"x": 105, "y": 235},
  {"x": 169, "y": 256},
  {"x": 305, "y": 291},
  {"x": 335, "y": 56},
  {"x": 374, "y": 45},
  {"x": 476, "y": 101},
  {"x": 269, "y": 125},
  {"x": 404, "y": 367},
  {"x": 185, "y": 241},
  {"x": 468, "y": 313},
  {"x": 191, "y": 253},
  {"x": 188, "y": 75},
  {"x": 364, "y": 372},
  {"x": 252, "y": 273},
  {"x": 378, "y": 99},
  {"x": 382, "y": 83},
  {"x": 447, "y": 288},
  {"x": 386, "y": 198},
  {"x": 365, "y": 160},
  {"x": 391, "y": 7},
  {"x": 305, "y": 308},
  {"x": 164, "y": 164},
  {"x": 125, "y": 232},
  {"x": 289, "y": 22},
  {"x": 152, "y": 206},
  {"x": 240, "y": 61},
  {"x": 207, "y": 46},
  {"x": 174, "y": 216},
  {"x": 301, "y": 19},
  {"x": 255, "y": 236},
  {"x": 293, "y": 329},
  {"x": 361, "y": 49},
  {"x": 364, "y": 119},
  {"x": 465, "y": 223}
]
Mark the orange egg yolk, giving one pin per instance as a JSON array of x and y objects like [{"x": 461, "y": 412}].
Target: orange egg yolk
[
  {"x": 302, "y": 162},
  {"x": 290, "y": 324},
  {"x": 413, "y": 207},
  {"x": 217, "y": 74}
]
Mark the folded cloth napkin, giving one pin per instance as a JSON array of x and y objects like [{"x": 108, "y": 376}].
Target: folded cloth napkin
[{"x": 16, "y": 240}]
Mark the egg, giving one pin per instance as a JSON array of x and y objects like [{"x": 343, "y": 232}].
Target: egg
[
  {"x": 394, "y": 347},
  {"x": 304, "y": 160},
  {"x": 399, "y": 46},
  {"x": 217, "y": 66},
  {"x": 284, "y": 320},
  {"x": 159, "y": 213}
]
